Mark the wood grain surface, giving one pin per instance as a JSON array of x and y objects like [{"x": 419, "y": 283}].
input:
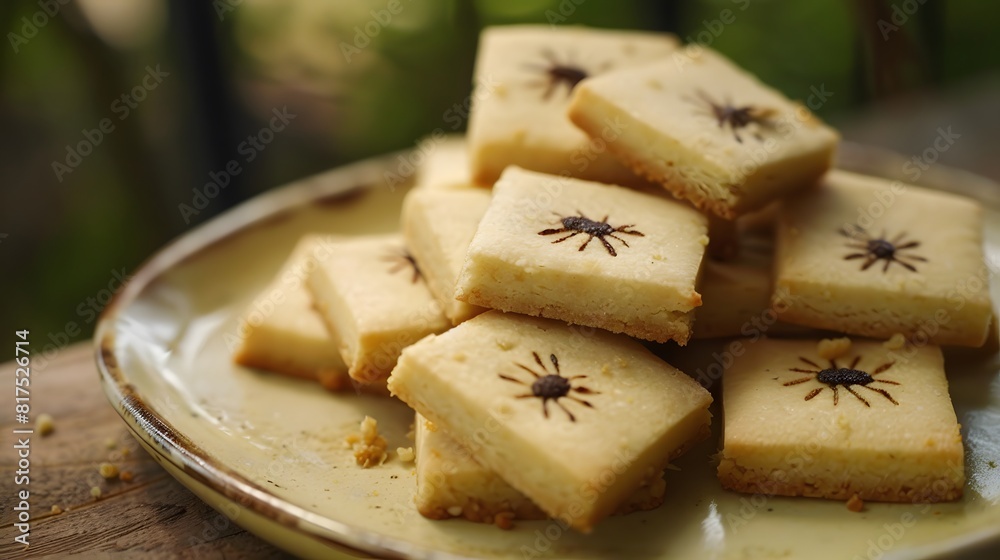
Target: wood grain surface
[{"x": 152, "y": 516}]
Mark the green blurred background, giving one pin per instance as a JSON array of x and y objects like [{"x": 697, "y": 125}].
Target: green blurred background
[{"x": 210, "y": 73}]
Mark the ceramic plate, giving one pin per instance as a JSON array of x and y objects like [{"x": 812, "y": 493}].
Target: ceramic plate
[{"x": 266, "y": 451}]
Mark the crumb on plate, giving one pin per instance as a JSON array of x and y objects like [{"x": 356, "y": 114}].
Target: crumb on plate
[
  {"x": 369, "y": 447},
  {"x": 405, "y": 454},
  {"x": 855, "y": 503}
]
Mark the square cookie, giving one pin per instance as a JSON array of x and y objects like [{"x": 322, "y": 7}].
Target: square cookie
[
  {"x": 871, "y": 421},
  {"x": 451, "y": 483},
  {"x": 524, "y": 75},
  {"x": 586, "y": 253},
  {"x": 374, "y": 302},
  {"x": 281, "y": 332},
  {"x": 574, "y": 419},
  {"x": 438, "y": 226},
  {"x": 706, "y": 130},
  {"x": 871, "y": 257}
]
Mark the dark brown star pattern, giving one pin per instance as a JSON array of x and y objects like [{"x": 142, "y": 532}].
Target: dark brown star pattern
[
  {"x": 551, "y": 386},
  {"x": 734, "y": 117},
  {"x": 849, "y": 377},
  {"x": 874, "y": 249},
  {"x": 575, "y": 225}
]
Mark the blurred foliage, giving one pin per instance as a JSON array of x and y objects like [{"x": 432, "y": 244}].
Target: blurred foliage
[{"x": 66, "y": 238}]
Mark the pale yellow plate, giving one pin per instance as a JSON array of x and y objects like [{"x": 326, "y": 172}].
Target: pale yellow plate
[{"x": 267, "y": 452}]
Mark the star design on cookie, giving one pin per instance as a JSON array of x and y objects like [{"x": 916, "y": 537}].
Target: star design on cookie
[
  {"x": 873, "y": 249},
  {"x": 849, "y": 378},
  {"x": 549, "y": 386}
]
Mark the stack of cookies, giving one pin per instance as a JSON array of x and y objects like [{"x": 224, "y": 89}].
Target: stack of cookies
[{"x": 618, "y": 191}]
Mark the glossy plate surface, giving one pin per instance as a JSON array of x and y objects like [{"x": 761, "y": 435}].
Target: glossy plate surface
[{"x": 267, "y": 451}]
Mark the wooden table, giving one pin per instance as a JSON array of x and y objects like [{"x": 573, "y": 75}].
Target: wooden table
[{"x": 152, "y": 516}]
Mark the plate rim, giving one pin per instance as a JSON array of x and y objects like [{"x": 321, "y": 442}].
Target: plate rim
[
  {"x": 330, "y": 186},
  {"x": 172, "y": 445}
]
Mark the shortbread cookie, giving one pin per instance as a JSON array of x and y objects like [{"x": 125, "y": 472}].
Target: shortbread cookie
[
  {"x": 874, "y": 422},
  {"x": 524, "y": 76},
  {"x": 706, "y": 130},
  {"x": 451, "y": 483},
  {"x": 438, "y": 226},
  {"x": 281, "y": 332},
  {"x": 589, "y": 254},
  {"x": 871, "y": 257},
  {"x": 445, "y": 165},
  {"x": 553, "y": 408},
  {"x": 374, "y": 301}
]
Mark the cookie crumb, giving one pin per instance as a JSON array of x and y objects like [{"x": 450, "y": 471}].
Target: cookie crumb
[
  {"x": 56, "y": 510},
  {"x": 126, "y": 476},
  {"x": 369, "y": 447},
  {"x": 110, "y": 443},
  {"x": 455, "y": 511},
  {"x": 855, "y": 504},
  {"x": 44, "y": 424},
  {"x": 405, "y": 454},
  {"x": 108, "y": 471},
  {"x": 895, "y": 342},
  {"x": 95, "y": 492},
  {"x": 833, "y": 348}
]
